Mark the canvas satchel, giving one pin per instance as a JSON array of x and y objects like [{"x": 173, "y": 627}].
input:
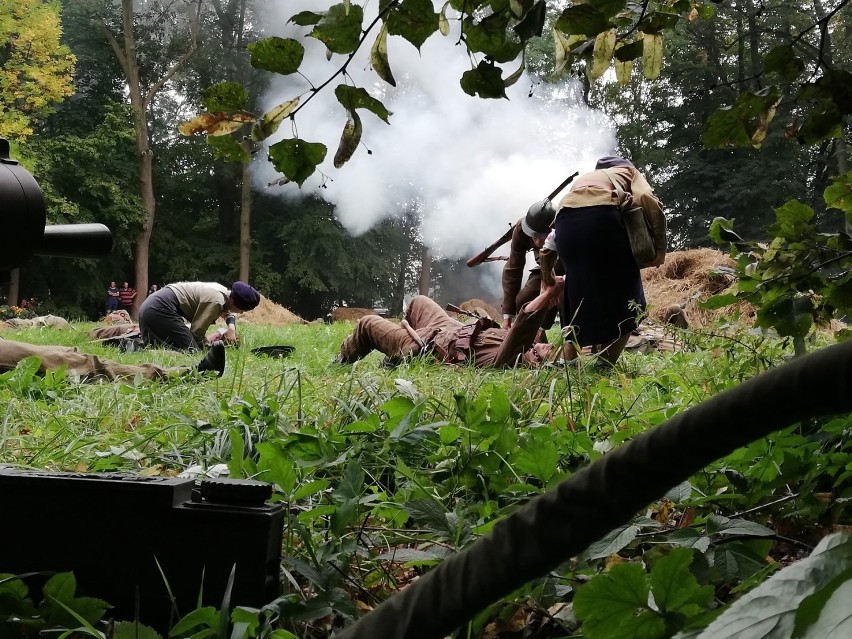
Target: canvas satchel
[{"x": 638, "y": 229}]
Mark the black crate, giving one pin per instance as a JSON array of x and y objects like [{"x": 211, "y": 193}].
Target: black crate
[{"x": 111, "y": 530}]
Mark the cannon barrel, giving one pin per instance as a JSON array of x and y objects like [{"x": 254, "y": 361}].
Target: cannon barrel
[{"x": 23, "y": 221}]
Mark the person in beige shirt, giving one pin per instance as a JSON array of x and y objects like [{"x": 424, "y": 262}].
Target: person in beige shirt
[
  {"x": 603, "y": 290},
  {"x": 178, "y": 315}
]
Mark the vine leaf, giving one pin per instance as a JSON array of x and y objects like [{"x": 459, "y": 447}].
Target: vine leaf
[
  {"x": 296, "y": 158},
  {"x": 602, "y": 53},
  {"x": 349, "y": 140},
  {"x": 272, "y": 119},
  {"x": 414, "y": 20},
  {"x": 352, "y": 98},
  {"x": 215, "y": 123},
  {"x": 340, "y": 28},
  {"x": 652, "y": 55},
  {"x": 486, "y": 81},
  {"x": 379, "y": 57},
  {"x": 278, "y": 55}
]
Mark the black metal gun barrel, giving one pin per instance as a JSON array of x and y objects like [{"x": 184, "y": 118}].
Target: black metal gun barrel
[
  {"x": 75, "y": 240},
  {"x": 23, "y": 219}
]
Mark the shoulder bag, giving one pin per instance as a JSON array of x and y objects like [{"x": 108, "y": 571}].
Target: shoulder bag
[{"x": 638, "y": 230}]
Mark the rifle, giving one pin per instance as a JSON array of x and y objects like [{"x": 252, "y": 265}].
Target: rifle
[
  {"x": 458, "y": 309},
  {"x": 479, "y": 258}
]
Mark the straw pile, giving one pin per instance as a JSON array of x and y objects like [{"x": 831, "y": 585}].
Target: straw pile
[
  {"x": 268, "y": 313},
  {"x": 687, "y": 277},
  {"x": 350, "y": 313},
  {"x": 471, "y": 306}
]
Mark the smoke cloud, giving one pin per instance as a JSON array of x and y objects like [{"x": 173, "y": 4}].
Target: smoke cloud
[{"x": 474, "y": 166}]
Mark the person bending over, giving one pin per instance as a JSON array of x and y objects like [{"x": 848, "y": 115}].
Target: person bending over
[{"x": 178, "y": 315}]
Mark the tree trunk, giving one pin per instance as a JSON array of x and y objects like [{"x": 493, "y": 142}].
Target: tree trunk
[
  {"x": 245, "y": 223},
  {"x": 125, "y": 52},
  {"x": 14, "y": 287},
  {"x": 425, "y": 272}
]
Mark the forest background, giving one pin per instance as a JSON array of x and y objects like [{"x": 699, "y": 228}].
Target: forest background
[{"x": 69, "y": 105}]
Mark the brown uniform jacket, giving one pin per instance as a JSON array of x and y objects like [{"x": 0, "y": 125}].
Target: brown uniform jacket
[
  {"x": 595, "y": 188},
  {"x": 513, "y": 271},
  {"x": 497, "y": 347}
]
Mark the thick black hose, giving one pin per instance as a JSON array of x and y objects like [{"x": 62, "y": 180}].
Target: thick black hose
[{"x": 566, "y": 519}]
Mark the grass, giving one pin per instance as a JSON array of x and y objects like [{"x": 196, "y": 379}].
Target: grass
[{"x": 356, "y": 450}]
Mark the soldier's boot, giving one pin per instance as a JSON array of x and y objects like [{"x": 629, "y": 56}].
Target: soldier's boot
[{"x": 214, "y": 360}]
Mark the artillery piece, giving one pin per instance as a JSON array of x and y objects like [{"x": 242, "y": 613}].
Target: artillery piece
[{"x": 25, "y": 231}]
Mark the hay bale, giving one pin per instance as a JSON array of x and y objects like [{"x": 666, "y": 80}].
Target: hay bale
[
  {"x": 479, "y": 306},
  {"x": 350, "y": 313},
  {"x": 687, "y": 277},
  {"x": 268, "y": 313}
]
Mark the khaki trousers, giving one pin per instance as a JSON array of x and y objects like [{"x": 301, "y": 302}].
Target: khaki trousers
[
  {"x": 377, "y": 333},
  {"x": 88, "y": 367}
]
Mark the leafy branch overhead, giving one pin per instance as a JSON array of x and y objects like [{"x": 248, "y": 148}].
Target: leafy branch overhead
[{"x": 589, "y": 37}]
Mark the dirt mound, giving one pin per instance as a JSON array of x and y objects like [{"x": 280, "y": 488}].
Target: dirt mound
[
  {"x": 472, "y": 305},
  {"x": 268, "y": 313},
  {"x": 687, "y": 277},
  {"x": 350, "y": 313}
]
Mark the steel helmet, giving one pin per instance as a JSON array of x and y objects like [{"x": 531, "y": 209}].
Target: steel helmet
[{"x": 539, "y": 219}]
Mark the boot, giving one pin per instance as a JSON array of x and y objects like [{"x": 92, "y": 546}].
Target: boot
[{"x": 214, "y": 360}]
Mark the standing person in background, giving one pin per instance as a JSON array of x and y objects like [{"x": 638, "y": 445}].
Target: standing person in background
[
  {"x": 112, "y": 298},
  {"x": 163, "y": 316},
  {"x": 603, "y": 289},
  {"x": 126, "y": 295},
  {"x": 528, "y": 235},
  {"x": 153, "y": 289}
]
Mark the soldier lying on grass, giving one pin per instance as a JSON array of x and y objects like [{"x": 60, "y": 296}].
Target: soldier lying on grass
[
  {"x": 427, "y": 328},
  {"x": 93, "y": 368}
]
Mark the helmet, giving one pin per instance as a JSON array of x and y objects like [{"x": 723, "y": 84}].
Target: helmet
[{"x": 539, "y": 218}]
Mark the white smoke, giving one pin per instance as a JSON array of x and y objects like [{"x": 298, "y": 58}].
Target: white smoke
[{"x": 474, "y": 165}]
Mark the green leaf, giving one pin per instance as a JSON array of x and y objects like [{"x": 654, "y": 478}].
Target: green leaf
[
  {"x": 769, "y": 610},
  {"x": 719, "y": 229},
  {"x": 272, "y": 119},
  {"x": 738, "y": 560},
  {"x": 615, "y": 604},
  {"x": 489, "y": 36},
  {"x": 414, "y": 20},
  {"x": 306, "y": 18},
  {"x": 225, "y": 96},
  {"x": 674, "y": 586},
  {"x": 352, "y": 98},
  {"x": 792, "y": 221},
  {"x": 720, "y": 525},
  {"x": 227, "y": 148},
  {"x": 823, "y": 122},
  {"x": 311, "y": 488},
  {"x": 630, "y": 51},
  {"x": 718, "y": 301},
  {"x": 783, "y": 61},
  {"x": 276, "y": 467},
  {"x": 296, "y": 158},
  {"x": 537, "y": 454},
  {"x": 790, "y": 316},
  {"x": 340, "y": 28},
  {"x": 206, "y": 617},
  {"x": 133, "y": 630},
  {"x": 743, "y": 124},
  {"x": 486, "y": 81},
  {"x": 827, "y": 612},
  {"x": 532, "y": 23},
  {"x": 379, "y": 57},
  {"x": 839, "y": 194},
  {"x": 582, "y": 19},
  {"x": 612, "y": 542},
  {"x": 278, "y": 55}
]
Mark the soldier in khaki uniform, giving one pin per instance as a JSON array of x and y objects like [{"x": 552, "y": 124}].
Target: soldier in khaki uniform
[
  {"x": 92, "y": 368},
  {"x": 427, "y": 328}
]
